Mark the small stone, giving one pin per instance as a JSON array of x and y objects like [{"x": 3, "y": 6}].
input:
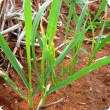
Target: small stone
[
  {"x": 104, "y": 108},
  {"x": 1, "y": 107},
  {"x": 81, "y": 103},
  {"x": 4, "y": 84}
]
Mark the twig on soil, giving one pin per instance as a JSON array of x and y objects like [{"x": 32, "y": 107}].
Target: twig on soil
[
  {"x": 2, "y": 14},
  {"x": 24, "y": 43},
  {"x": 11, "y": 29},
  {"x": 49, "y": 105},
  {"x": 100, "y": 58},
  {"x": 81, "y": 103},
  {"x": 10, "y": 16},
  {"x": 61, "y": 45},
  {"x": 96, "y": 37},
  {"x": 59, "y": 52},
  {"x": 47, "y": 88},
  {"x": 12, "y": 6}
]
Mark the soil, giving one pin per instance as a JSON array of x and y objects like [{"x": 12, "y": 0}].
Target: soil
[{"x": 89, "y": 92}]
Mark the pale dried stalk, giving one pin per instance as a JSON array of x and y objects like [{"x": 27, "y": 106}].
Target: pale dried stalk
[
  {"x": 16, "y": 47},
  {"x": 61, "y": 52},
  {"x": 11, "y": 29},
  {"x": 96, "y": 37},
  {"x": 19, "y": 41},
  {"x": 2, "y": 12},
  {"x": 14, "y": 14},
  {"x": 12, "y": 6},
  {"x": 100, "y": 58},
  {"x": 49, "y": 105},
  {"x": 24, "y": 43},
  {"x": 61, "y": 45},
  {"x": 5, "y": 17},
  {"x": 47, "y": 88}
]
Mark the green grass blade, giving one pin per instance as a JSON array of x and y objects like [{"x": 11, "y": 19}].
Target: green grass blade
[
  {"x": 77, "y": 48},
  {"x": 98, "y": 40},
  {"x": 39, "y": 84},
  {"x": 74, "y": 13},
  {"x": 81, "y": 37},
  {"x": 12, "y": 84},
  {"x": 69, "y": 19},
  {"x": 52, "y": 63},
  {"x": 106, "y": 8},
  {"x": 53, "y": 19},
  {"x": 28, "y": 28},
  {"x": 83, "y": 49},
  {"x": 51, "y": 29},
  {"x": 100, "y": 23},
  {"x": 39, "y": 40},
  {"x": 102, "y": 44},
  {"x": 36, "y": 89},
  {"x": 99, "y": 19},
  {"x": 80, "y": 73},
  {"x": 103, "y": 4},
  {"x": 67, "y": 27},
  {"x": 34, "y": 28},
  {"x": 81, "y": 18},
  {"x": 12, "y": 59},
  {"x": 68, "y": 48},
  {"x": 44, "y": 51}
]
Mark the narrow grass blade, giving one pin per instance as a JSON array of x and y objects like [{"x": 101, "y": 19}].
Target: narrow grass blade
[
  {"x": 106, "y": 8},
  {"x": 102, "y": 44},
  {"x": 100, "y": 23},
  {"x": 53, "y": 19},
  {"x": 39, "y": 84},
  {"x": 81, "y": 18},
  {"x": 52, "y": 63},
  {"x": 68, "y": 48},
  {"x": 12, "y": 59},
  {"x": 77, "y": 48},
  {"x": 67, "y": 27},
  {"x": 51, "y": 29},
  {"x": 99, "y": 39},
  {"x": 99, "y": 19},
  {"x": 103, "y": 4},
  {"x": 83, "y": 49},
  {"x": 69, "y": 19},
  {"x": 28, "y": 28},
  {"x": 74, "y": 13},
  {"x": 59, "y": 59},
  {"x": 44, "y": 40},
  {"x": 81, "y": 39},
  {"x": 34, "y": 28},
  {"x": 39, "y": 40},
  {"x": 80, "y": 73},
  {"x": 12, "y": 84}
]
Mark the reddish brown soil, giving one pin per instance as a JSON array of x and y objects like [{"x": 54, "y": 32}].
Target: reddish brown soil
[{"x": 89, "y": 92}]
